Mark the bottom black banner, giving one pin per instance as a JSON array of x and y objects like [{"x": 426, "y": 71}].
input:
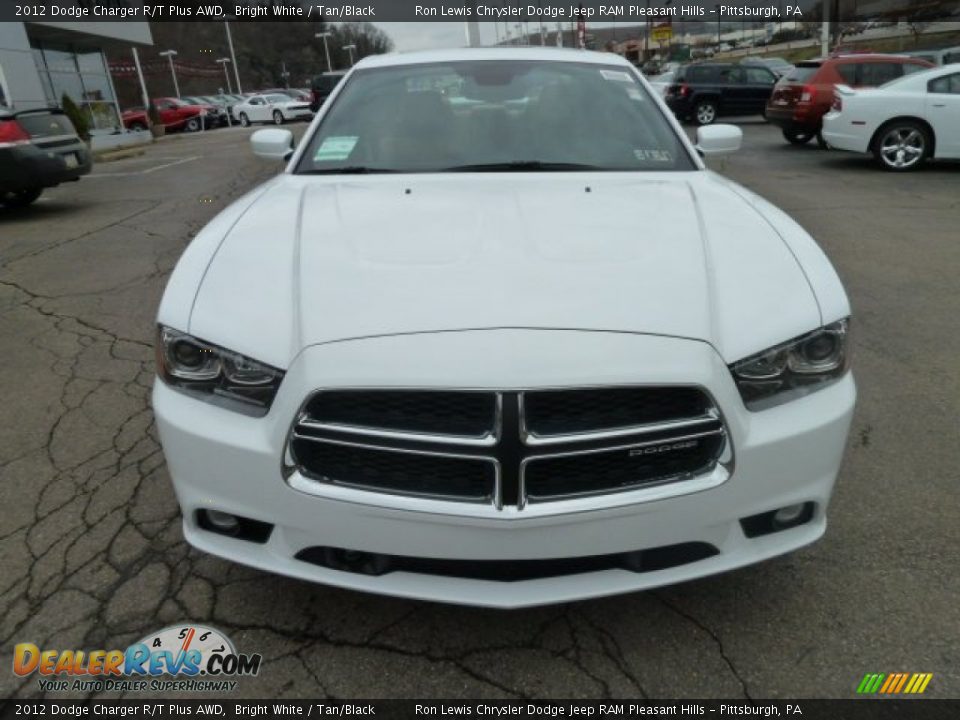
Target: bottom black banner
[{"x": 861, "y": 709}]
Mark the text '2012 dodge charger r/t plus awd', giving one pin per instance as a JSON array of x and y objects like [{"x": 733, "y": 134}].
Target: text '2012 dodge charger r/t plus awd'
[{"x": 497, "y": 337}]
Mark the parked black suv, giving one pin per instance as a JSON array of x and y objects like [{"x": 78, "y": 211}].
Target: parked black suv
[
  {"x": 321, "y": 87},
  {"x": 38, "y": 149},
  {"x": 703, "y": 91}
]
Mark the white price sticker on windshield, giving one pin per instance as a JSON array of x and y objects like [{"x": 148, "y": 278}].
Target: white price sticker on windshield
[
  {"x": 335, "y": 148},
  {"x": 618, "y": 75},
  {"x": 657, "y": 156}
]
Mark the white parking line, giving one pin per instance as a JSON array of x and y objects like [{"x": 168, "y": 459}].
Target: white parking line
[{"x": 149, "y": 170}]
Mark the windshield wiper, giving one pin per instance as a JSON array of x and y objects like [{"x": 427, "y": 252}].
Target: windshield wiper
[
  {"x": 349, "y": 170},
  {"x": 522, "y": 166}
]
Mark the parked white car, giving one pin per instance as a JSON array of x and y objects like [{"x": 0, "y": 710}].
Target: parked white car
[
  {"x": 941, "y": 56},
  {"x": 903, "y": 123},
  {"x": 513, "y": 351},
  {"x": 273, "y": 108}
]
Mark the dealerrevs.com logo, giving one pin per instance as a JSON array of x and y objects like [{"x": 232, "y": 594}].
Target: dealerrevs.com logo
[{"x": 179, "y": 657}]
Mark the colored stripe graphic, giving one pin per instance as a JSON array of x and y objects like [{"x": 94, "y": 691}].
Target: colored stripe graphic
[
  {"x": 894, "y": 683},
  {"x": 870, "y": 683},
  {"x": 899, "y": 687},
  {"x": 891, "y": 683}
]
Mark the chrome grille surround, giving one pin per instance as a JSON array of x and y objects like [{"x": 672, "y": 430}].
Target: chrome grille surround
[{"x": 512, "y": 448}]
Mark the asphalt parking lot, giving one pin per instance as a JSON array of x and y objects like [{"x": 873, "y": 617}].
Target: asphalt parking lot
[{"x": 91, "y": 553}]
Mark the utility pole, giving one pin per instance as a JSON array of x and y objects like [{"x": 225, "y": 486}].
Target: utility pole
[
  {"x": 233, "y": 57},
  {"x": 350, "y": 48}
]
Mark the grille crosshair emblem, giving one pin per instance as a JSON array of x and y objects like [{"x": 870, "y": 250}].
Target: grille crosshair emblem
[{"x": 512, "y": 448}]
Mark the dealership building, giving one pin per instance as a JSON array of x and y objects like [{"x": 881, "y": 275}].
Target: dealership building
[{"x": 40, "y": 62}]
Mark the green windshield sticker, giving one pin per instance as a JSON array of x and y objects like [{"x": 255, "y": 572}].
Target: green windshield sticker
[{"x": 335, "y": 148}]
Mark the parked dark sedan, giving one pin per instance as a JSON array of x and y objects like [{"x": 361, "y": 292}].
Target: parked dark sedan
[
  {"x": 38, "y": 149},
  {"x": 704, "y": 91}
]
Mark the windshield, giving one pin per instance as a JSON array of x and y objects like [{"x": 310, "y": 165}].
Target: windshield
[{"x": 494, "y": 115}]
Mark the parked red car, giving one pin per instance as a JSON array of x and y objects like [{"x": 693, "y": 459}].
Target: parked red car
[
  {"x": 803, "y": 96},
  {"x": 175, "y": 114}
]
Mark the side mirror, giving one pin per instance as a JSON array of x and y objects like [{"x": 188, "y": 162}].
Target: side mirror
[
  {"x": 718, "y": 139},
  {"x": 272, "y": 144}
]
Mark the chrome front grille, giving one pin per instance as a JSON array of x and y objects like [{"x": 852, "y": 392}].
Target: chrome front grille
[{"x": 507, "y": 448}]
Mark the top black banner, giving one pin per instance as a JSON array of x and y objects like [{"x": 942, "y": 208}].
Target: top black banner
[{"x": 563, "y": 11}]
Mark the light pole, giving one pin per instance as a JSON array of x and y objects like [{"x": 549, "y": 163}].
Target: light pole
[
  {"x": 233, "y": 57},
  {"x": 718, "y": 27},
  {"x": 143, "y": 84},
  {"x": 170, "y": 55},
  {"x": 350, "y": 48},
  {"x": 224, "y": 61},
  {"x": 670, "y": 39},
  {"x": 326, "y": 48}
]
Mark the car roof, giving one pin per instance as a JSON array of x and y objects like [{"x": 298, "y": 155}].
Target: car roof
[{"x": 497, "y": 53}]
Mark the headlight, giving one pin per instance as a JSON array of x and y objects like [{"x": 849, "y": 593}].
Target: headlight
[
  {"x": 215, "y": 374},
  {"x": 793, "y": 369}
]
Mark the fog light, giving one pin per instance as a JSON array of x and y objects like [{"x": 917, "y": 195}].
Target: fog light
[
  {"x": 788, "y": 515},
  {"x": 224, "y": 522},
  {"x": 773, "y": 521}
]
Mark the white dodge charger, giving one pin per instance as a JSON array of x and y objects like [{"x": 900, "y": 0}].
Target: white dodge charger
[
  {"x": 273, "y": 108},
  {"x": 496, "y": 336},
  {"x": 903, "y": 123}
]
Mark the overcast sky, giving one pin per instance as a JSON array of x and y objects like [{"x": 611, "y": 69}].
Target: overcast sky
[{"x": 428, "y": 35}]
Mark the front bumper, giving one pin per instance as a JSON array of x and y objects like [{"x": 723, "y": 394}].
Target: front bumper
[{"x": 226, "y": 461}]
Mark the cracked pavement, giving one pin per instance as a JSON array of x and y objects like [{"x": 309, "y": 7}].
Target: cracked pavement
[{"x": 92, "y": 556}]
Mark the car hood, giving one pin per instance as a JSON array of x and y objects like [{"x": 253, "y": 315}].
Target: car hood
[{"x": 322, "y": 259}]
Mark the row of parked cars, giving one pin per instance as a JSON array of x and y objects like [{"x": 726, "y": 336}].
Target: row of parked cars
[
  {"x": 40, "y": 148},
  {"x": 203, "y": 112},
  {"x": 807, "y": 100}
]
